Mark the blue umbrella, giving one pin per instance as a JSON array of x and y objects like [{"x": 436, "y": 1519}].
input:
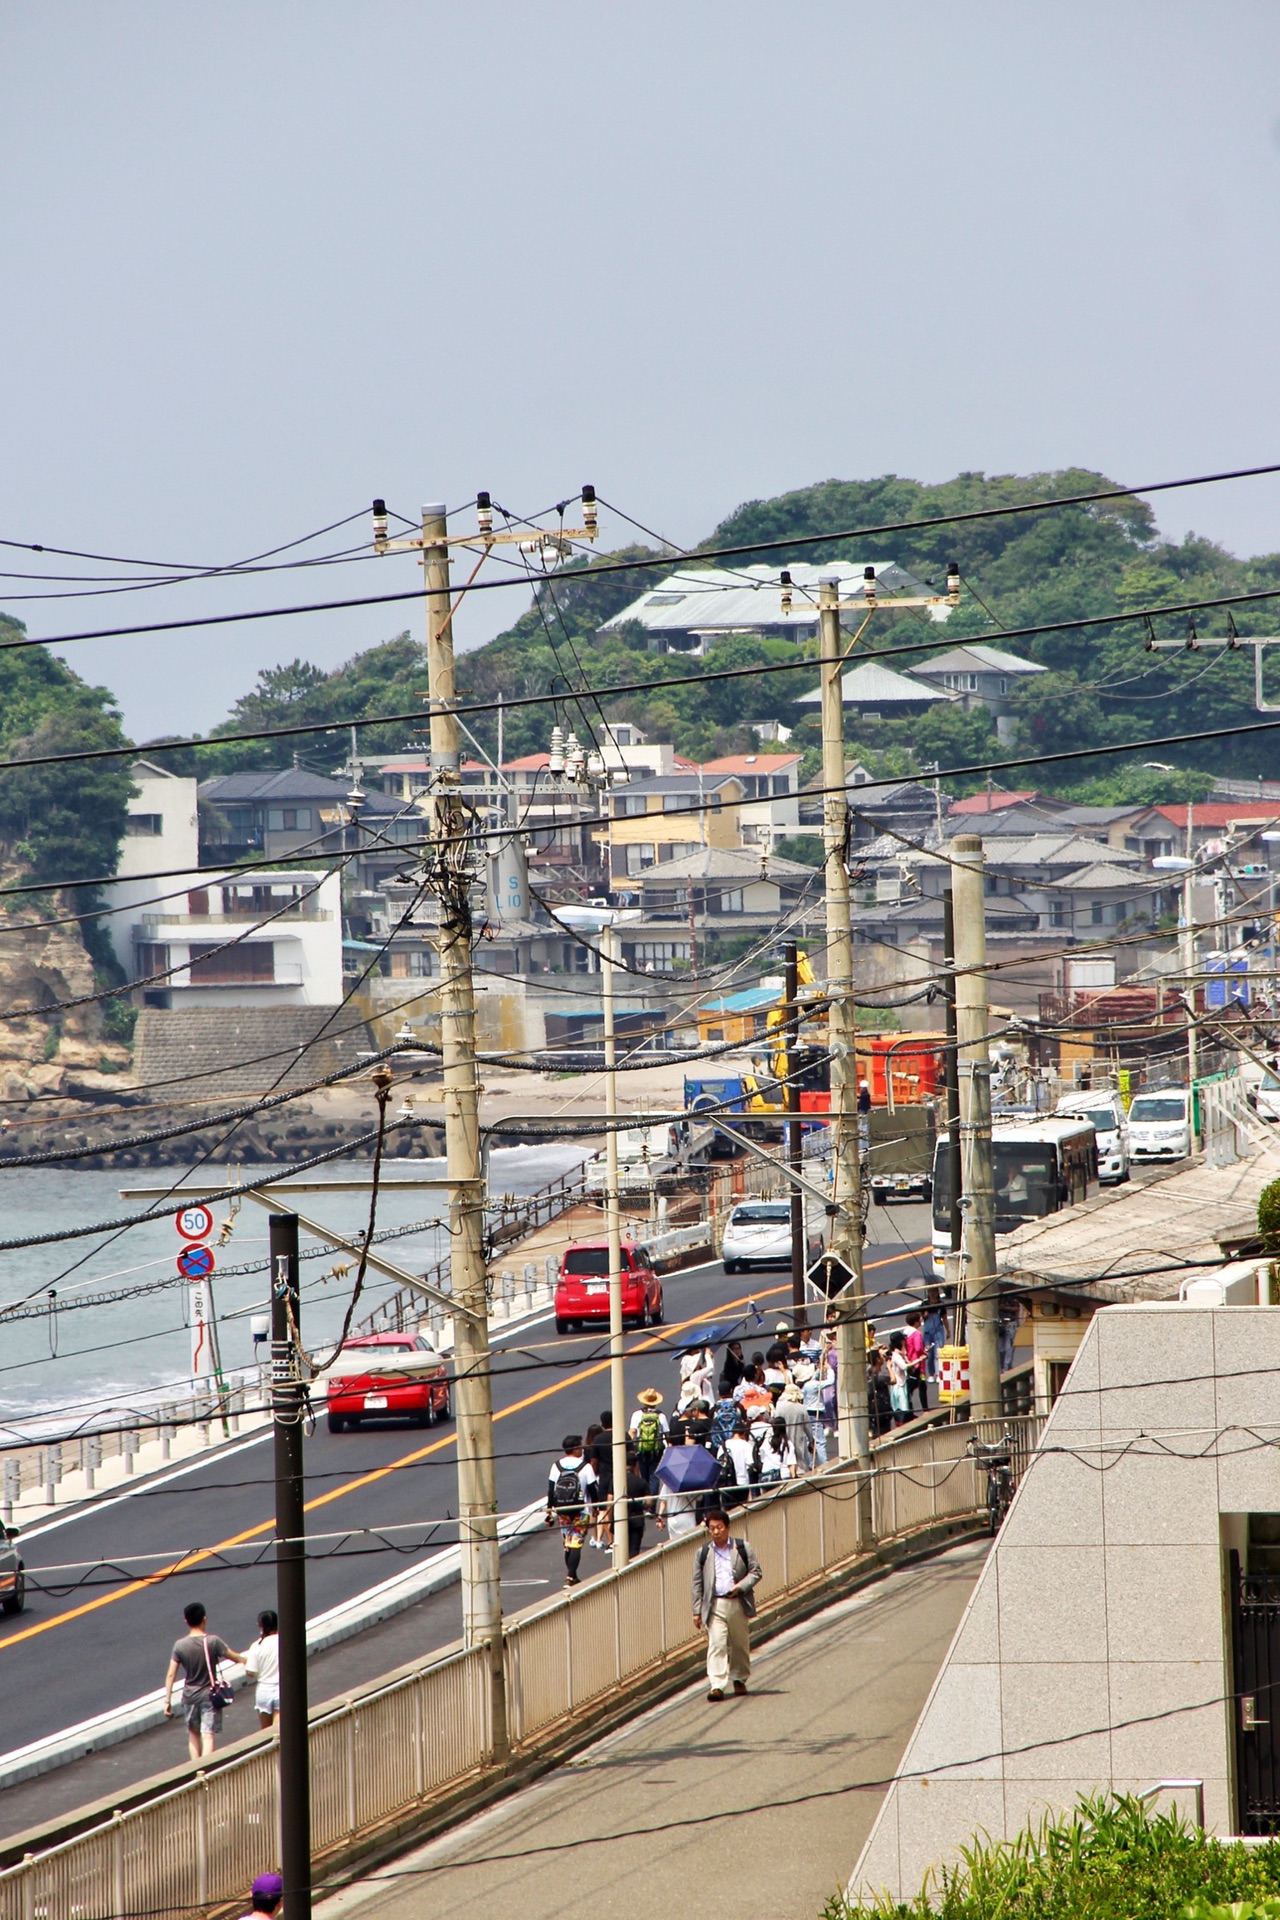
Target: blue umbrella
[
  {"x": 688, "y": 1470},
  {"x": 712, "y": 1335}
]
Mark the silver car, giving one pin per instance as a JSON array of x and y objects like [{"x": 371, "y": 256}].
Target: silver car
[
  {"x": 13, "y": 1574},
  {"x": 758, "y": 1234}
]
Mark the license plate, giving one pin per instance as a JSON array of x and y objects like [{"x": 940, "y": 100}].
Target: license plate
[
  {"x": 374, "y": 1400},
  {"x": 598, "y": 1286}
]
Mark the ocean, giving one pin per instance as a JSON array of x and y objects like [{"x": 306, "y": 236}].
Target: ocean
[{"x": 76, "y": 1357}]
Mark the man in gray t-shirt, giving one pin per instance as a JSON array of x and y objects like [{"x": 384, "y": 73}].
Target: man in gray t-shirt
[{"x": 197, "y": 1657}]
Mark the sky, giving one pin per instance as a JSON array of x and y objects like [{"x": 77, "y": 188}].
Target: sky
[{"x": 264, "y": 261}]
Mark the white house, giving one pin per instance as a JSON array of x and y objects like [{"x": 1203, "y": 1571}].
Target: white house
[
  {"x": 258, "y": 939},
  {"x": 161, "y": 836},
  {"x": 696, "y": 605}
]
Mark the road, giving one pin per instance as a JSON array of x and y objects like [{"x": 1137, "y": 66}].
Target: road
[{"x": 100, "y": 1635}]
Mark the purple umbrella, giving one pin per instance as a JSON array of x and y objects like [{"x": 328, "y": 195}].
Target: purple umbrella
[{"x": 688, "y": 1470}]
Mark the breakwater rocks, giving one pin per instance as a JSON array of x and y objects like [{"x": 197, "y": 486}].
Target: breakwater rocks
[{"x": 117, "y": 1138}]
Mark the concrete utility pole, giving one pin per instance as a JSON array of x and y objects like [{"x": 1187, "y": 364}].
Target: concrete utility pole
[
  {"x": 795, "y": 1143},
  {"x": 973, "y": 1064},
  {"x": 846, "y": 1236},
  {"x": 447, "y": 874},
  {"x": 951, "y": 1073},
  {"x": 613, "y": 1225},
  {"x": 291, "y": 1566}
]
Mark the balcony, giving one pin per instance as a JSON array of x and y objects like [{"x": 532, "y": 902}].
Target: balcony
[{"x": 286, "y": 974}]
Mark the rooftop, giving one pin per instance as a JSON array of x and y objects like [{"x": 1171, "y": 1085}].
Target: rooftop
[
  {"x": 992, "y": 802},
  {"x": 742, "y": 864},
  {"x": 752, "y": 763},
  {"x": 733, "y": 600},
  {"x": 872, "y": 685},
  {"x": 972, "y": 654}
]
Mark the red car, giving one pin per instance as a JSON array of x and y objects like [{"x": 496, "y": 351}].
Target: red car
[
  {"x": 582, "y": 1291},
  {"x": 387, "y": 1376}
]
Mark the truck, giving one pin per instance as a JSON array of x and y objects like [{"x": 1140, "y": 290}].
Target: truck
[{"x": 900, "y": 1152}]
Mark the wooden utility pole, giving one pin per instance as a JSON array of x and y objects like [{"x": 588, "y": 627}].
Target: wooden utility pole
[
  {"x": 973, "y": 1065},
  {"x": 846, "y": 1235},
  {"x": 613, "y": 1223},
  {"x": 795, "y": 1143}
]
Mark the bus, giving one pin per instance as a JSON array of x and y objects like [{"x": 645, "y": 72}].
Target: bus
[{"x": 1041, "y": 1166}]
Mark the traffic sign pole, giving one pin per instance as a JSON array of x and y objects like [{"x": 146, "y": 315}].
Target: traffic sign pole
[{"x": 291, "y": 1568}]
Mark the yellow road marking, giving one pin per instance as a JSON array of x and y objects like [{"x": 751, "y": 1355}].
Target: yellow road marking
[{"x": 200, "y": 1554}]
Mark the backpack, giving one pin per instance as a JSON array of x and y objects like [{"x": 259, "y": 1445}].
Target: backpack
[
  {"x": 723, "y": 1422},
  {"x": 649, "y": 1432},
  {"x": 566, "y": 1491}
]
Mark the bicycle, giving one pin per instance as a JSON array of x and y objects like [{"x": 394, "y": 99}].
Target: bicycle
[{"x": 997, "y": 1457}]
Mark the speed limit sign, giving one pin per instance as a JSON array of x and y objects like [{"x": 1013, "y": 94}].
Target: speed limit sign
[{"x": 194, "y": 1223}]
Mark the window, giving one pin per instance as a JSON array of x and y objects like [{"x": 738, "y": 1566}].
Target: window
[
  {"x": 1004, "y": 684},
  {"x": 252, "y": 961},
  {"x": 1097, "y": 913},
  {"x": 990, "y": 883},
  {"x": 198, "y": 902},
  {"x": 640, "y": 856},
  {"x": 1058, "y": 914},
  {"x": 288, "y": 819},
  {"x": 781, "y": 783},
  {"x": 152, "y": 958},
  {"x": 675, "y": 802},
  {"x": 628, "y": 806},
  {"x": 665, "y": 599},
  {"x": 728, "y": 900},
  {"x": 144, "y": 825}
]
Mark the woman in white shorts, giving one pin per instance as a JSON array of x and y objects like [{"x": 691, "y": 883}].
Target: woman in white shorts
[{"x": 263, "y": 1661}]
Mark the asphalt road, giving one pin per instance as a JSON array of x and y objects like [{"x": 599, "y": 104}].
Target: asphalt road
[{"x": 97, "y": 1636}]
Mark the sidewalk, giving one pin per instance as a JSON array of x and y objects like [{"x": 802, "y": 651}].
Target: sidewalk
[{"x": 757, "y": 1798}]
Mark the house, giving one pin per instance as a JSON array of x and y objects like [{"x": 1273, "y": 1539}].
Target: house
[
  {"x": 161, "y": 836},
  {"x": 878, "y": 693},
  {"x": 290, "y": 812},
  {"x": 995, "y": 801},
  {"x": 695, "y": 605},
  {"x": 653, "y": 821},
  {"x": 981, "y": 676},
  {"x": 259, "y": 939},
  {"x": 773, "y": 781},
  {"x": 727, "y": 882}
]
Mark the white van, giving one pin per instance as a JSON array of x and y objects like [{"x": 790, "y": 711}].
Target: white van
[
  {"x": 1160, "y": 1125},
  {"x": 1106, "y": 1115}
]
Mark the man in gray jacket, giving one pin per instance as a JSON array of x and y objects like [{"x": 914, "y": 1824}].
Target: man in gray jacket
[{"x": 725, "y": 1576}]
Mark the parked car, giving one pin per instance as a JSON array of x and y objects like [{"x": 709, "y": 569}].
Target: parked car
[
  {"x": 387, "y": 1376},
  {"x": 1160, "y": 1125},
  {"x": 1266, "y": 1099},
  {"x": 13, "y": 1573},
  {"x": 1105, "y": 1113},
  {"x": 582, "y": 1290},
  {"x": 758, "y": 1234}
]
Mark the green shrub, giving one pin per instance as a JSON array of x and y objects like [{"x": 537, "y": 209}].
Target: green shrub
[
  {"x": 1269, "y": 1216},
  {"x": 1107, "y": 1860}
]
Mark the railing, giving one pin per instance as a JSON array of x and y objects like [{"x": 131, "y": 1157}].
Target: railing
[{"x": 387, "y": 1751}]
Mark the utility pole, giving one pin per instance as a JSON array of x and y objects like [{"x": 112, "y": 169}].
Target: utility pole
[
  {"x": 613, "y": 1225},
  {"x": 795, "y": 1145},
  {"x": 951, "y": 1073},
  {"x": 973, "y": 1065},
  {"x": 448, "y": 874},
  {"x": 847, "y": 1229},
  {"x": 291, "y": 1566}
]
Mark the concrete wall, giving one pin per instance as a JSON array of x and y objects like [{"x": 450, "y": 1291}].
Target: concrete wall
[{"x": 1094, "y": 1654}]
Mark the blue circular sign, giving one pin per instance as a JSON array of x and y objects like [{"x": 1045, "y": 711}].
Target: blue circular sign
[{"x": 196, "y": 1263}]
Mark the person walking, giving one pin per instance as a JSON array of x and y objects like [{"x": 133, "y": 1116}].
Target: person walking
[
  {"x": 599, "y": 1450},
  {"x": 809, "y": 1381},
  {"x": 265, "y": 1896},
  {"x": 262, "y": 1664},
  {"x": 936, "y": 1333},
  {"x": 790, "y": 1410},
  {"x": 726, "y": 1574},
  {"x": 649, "y": 1429},
  {"x": 197, "y": 1656},
  {"x": 899, "y": 1392},
  {"x": 917, "y": 1385},
  {"x": 570, "y": 1488},
  {"x": 638, "y": 1504}
]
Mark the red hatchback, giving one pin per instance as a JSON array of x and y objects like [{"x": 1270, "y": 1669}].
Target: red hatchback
[
  {"x": 387, "y": 1376},
  {"x": 582, "y": 1291}
]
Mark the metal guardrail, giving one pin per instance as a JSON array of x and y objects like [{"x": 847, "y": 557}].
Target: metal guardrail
[{"x": 392, "y": 1748}]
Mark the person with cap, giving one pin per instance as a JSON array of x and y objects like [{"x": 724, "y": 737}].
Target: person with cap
[
  {"x": 265, "y": 1895},
  {"x": 726, "y": 1573},
  {"x": 649, "y": 1430}
]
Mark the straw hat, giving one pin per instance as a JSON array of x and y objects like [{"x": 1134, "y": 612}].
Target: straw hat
[{"x": 650, "y": 1397}]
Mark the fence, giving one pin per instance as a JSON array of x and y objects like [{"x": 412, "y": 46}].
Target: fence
[{"x": 380, "y": 1755}]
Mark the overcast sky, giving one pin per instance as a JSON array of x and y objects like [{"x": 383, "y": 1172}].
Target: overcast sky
[{"x": 262, "y": 261}]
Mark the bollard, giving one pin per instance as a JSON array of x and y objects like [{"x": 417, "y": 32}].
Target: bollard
[
  {"x": 12, "y": 1488},
  {"x": 437, "y": 1325},
  {"x": 233, "y": 1408},
  {"x": 551, "y": 1266},
  {"x": 508, "y": 1288},
  {"x": 530, "y": 1282},
  {"x": 52, "y": 1471},
  {"x": 166, "y": 1432},
  {"x": 128, "y": 1447},
  {"x": 86, "y": 1461}
]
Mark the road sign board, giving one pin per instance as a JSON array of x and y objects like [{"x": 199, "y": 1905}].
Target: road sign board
[
  {"x": 194, "y": 1223},
  {"x": 196, "y": 1263}
]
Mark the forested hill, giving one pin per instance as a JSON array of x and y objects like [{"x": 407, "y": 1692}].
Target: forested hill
[{"x": 1019, "y": 571}]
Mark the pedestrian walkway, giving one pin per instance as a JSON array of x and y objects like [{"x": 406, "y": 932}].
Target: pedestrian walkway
[{"x": 761, "y": 1803}]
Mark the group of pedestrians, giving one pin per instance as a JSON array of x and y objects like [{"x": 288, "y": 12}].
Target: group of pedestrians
[{"x": 901, "y": 1368}]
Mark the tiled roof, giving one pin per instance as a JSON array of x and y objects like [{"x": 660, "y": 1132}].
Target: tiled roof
[
  {"x": 872, "y": 685},
  {"x": 991, "y": 802},
  {"x": 751, "y": 762}
]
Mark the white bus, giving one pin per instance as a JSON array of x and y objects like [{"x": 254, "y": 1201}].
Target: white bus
[{"x": 1040, "y": 1167}]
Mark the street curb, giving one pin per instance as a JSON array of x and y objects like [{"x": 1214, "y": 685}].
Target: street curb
[{"x": 326, "y": 1629}]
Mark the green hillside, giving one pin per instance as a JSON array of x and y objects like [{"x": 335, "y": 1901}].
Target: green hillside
[{"x": 1074, "y": 562}]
